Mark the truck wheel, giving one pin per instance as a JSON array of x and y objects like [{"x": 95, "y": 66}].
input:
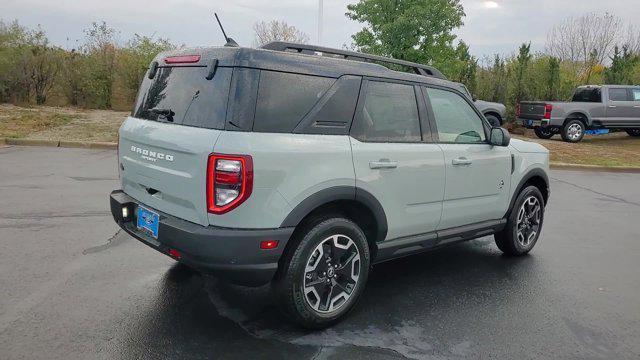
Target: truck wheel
[
  {"x": 523, "y": 224},
  {"x": 634, "y": 132},
  {"x": 321, "y": 279},
  {"x": 543, "y": 133},
  {"x": 493, "y": 120},
  {"x": 573, "y": 131}
]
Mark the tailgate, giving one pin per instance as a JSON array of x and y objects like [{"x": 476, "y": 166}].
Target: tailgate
[
  {"x": 532, "y": 110},
  {"x": 164, "y": 166}
]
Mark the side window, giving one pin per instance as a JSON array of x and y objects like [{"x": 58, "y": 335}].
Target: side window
[
  {"x": 636, "y": 94},
  {"x": 456, "y": 121},
  {"x": 284, "y": 99},
  {"x": 389, "y": 113},
  {"x": 618, "y": 95}
]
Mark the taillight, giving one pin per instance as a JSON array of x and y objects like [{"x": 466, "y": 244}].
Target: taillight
[
  {"x": 183, "y": 59},
  {"x": 547, "y": 111},
  {"x": 518, "y": 112},
  {"x": 229, "y": 181}
]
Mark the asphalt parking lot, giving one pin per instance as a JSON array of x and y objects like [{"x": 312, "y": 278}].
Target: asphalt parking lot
[{"x": 73, "y": 286}]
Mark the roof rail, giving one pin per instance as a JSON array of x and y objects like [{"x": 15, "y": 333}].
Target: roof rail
[{"x": 352, "y": 55}]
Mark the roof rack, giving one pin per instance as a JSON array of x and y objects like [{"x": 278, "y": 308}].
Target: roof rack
[{"x": 419, "y": 69}]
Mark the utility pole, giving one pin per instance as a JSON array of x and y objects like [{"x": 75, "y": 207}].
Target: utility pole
[{"x": 320, "y": 10}]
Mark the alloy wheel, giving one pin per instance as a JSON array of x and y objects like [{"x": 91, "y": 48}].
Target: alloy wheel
[
  {"x": 331, "y": 274},
  {"x": 528, "y": 221},
  {"x": 574, "y": 132}
]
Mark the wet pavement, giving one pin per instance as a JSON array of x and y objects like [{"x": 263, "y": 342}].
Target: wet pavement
[{"x": 73, "y": 286}]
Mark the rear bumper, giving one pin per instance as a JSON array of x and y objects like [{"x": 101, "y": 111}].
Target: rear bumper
[
  {"x": 233, "y": 255},
  {"x": 534, "y": 123}
]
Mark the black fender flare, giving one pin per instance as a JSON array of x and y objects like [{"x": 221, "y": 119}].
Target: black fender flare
[
  {"x": 587, "y": 118},
  {"x": 328, "y": 195},
  {"x": 528, "y": 176}
]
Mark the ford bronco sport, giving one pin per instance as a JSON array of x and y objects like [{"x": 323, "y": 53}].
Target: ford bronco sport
[{"x": 302, "y": 166}]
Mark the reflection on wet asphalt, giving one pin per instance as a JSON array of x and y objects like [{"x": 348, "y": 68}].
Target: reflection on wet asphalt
[{"x": 76, "y": 287}]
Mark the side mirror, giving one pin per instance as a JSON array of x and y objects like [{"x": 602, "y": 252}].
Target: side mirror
[{"x": 499, "y": 137}]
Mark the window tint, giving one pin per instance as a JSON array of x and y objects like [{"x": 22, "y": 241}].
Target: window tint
[
  {"x": 618, "y": 95},
  {"x": 456, "y": 121},
  {"x": 182, "y": 94},
  {"x": 389, "y": 113},
  {"x": 587, "y": 95},
  {"x": 284, "y": 99},
  {"x": 636, "y": 94}
]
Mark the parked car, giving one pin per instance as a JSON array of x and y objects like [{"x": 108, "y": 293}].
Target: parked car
[
  {"x": 611, "y": 107},
  {"x": 302, "y": 166},
  {"x": 495, "y": 113}
]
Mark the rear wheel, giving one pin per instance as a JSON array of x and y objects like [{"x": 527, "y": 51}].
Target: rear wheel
[
  {"x": 634, "y": 132},
  {"x": 321, "y": 280},
  {"x": 543, "y": 132},
  {"x": 524, "y": 223},
  {"x": 573, "y": 131}
]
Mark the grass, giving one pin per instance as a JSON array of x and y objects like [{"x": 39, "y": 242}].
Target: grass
[
  {"x": 617, "y": 149},
  {"x": 20, "y": 124},
  {"x": 60, "y": 123}
]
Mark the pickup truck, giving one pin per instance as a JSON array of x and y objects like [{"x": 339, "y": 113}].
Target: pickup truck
[
  {"x": 495, "y": 113},
  {"x": 592, "y": 107}
]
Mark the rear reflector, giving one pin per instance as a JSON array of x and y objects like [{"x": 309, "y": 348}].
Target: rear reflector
[
  {"x": 175, "y": 254},
  {"x": 268, "y": 244},
  {"x": 184, "y": 59}
]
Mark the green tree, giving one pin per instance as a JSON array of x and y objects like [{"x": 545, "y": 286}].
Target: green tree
[
  {"x": 553, "y": 78},
  {"x": 413, "y": 30},
  {"x": 100, "y": 49},
  {"x": 621, "y": 71},
  {"x": 521, "y": 68}
]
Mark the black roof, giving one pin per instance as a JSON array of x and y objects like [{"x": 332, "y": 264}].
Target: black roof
[{"x": 310, "y": 60}]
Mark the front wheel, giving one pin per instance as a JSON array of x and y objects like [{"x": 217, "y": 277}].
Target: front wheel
[
  {"x": 493, "y": 120},
  {"x": 523, "y": 224},
  {"x": 543, "y": 133},
  {"x": 573, "y": 131},
  {"x": 633, "y": 132},
  {"x": 322, "y": 278}
]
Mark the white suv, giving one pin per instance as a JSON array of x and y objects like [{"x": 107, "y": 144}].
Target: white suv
[{"x": 304, "y": 166}]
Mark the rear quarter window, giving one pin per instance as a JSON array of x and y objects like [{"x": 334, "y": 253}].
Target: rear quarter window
[{"x": 284, "y": 99}]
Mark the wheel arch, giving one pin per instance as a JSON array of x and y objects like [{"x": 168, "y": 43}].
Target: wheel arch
[
  {"x": 536, "y": 177},
  {"x": 577, "y": 115},
  {"x": 494, "y": 113},
  {"x": 357, "y": 204}
]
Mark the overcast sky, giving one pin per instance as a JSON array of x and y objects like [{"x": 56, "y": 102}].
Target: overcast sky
[{"x": 497, "y": 26}]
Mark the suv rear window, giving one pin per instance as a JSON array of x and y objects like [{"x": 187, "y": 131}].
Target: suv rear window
[
  {"x": 192, "y": 99},
  {"x": 284, "y": 99},
  {"x": 587, "y": 95}
]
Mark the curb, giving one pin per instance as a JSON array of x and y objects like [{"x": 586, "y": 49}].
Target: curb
[
  {"x": 582, "y": 167},
  {"x": 64, "y": 144}
]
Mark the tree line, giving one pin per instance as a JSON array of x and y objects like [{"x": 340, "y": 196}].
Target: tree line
[{"x": 100, "y": 72}]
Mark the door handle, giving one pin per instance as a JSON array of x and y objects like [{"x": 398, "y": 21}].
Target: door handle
[
  {"x": 383, "y": 164},
  {"x": 636, "y": 106},
  {"x": 612, "y": 106},
  {"x": 461, "y": 161}
]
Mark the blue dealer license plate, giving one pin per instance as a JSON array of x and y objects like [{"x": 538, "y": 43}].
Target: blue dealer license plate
[{"x": 148, "y": 221}]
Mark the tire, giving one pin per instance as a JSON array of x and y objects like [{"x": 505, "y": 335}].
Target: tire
[
  {"x": 633, "y": 132},
  {"x": 517, "y": 238},
  {"x": 305, "y": 287},
  {"x": 544, "y": 133},
  {"x": 573, "y": 131},
  {"x": 493, "y": 120}
]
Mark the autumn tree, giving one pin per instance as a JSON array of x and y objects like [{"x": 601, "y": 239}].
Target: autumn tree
[{"x": 275, "y": 30}]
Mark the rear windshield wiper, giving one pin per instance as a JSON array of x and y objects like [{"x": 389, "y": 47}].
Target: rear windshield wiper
[{"x": 167, "y": 113}]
